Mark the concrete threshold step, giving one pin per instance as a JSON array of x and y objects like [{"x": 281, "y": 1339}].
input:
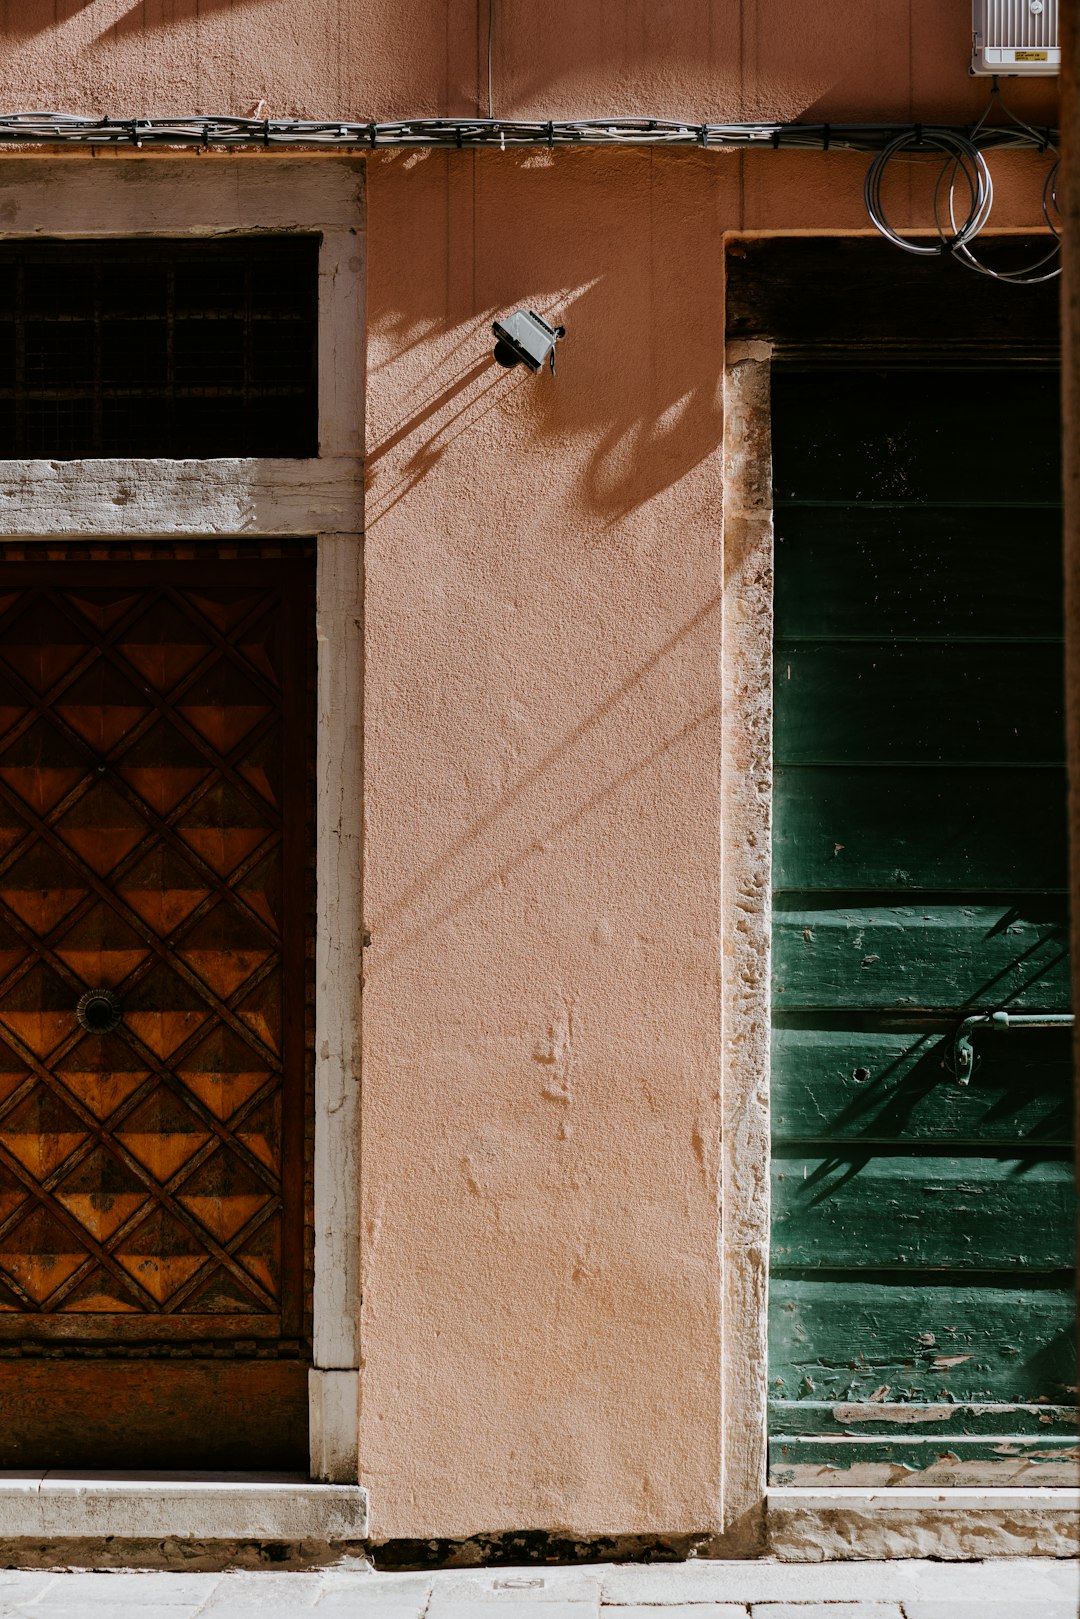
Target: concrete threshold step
[{"x": 57, "y": 1505}]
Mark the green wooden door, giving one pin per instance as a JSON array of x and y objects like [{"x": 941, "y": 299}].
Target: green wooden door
[{"x": 922, "y": 1238}]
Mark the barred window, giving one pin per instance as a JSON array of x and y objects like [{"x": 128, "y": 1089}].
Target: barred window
[{"x": 167, "y": 348}]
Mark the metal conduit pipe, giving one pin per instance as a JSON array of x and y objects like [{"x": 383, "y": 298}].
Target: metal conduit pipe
[
  {"x": 963, "y": 1054},
  {"x": 54, "y": 128}
]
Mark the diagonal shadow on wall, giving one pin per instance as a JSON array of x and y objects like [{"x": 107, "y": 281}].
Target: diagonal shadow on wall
[
  {"x": 610, "y": 248},
  {"x": 147, "y": 16},
  {"x": 23, "y": 19}
]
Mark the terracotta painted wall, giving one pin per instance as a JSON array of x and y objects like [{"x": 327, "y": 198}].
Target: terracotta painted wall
[
  {"x": 542, "y": 1334},
  {"x": 385, "y": 59},
  {"x": 542, "y": 1054}
]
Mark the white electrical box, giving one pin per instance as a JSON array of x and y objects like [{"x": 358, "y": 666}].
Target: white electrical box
[{"x": 1016, "y": 36}]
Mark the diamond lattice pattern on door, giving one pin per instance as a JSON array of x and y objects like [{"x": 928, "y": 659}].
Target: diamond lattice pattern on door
[{"x": 140, "y": 853}]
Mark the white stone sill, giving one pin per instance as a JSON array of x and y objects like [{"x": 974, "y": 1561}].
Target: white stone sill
[
  {"x": 58, "y": 1505},
  {"x": 804, "y": 1523},
  {"x": 122, "y": 499}
]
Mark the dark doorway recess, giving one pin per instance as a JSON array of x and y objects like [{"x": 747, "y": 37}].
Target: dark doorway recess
[
  {"x": 155, "y": 1008},
  {"x": 178, "y": 349},
  {"x": 823, "y": 298}
]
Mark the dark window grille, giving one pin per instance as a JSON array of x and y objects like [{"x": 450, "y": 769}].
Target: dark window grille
[{"x": 179, "y": 349}]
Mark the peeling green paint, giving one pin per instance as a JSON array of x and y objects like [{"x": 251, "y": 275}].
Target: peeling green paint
[{"x": 921, "y": 1309}]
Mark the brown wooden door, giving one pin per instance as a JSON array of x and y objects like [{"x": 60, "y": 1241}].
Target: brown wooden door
[{"x": 153, "y": 1012}]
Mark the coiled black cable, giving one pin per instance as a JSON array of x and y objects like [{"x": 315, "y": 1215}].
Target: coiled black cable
[
  {"x": 963, "y": 160},
  {"x": 965, "y": 166}
]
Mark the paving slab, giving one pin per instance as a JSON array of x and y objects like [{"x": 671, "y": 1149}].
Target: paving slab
[
  {"x": 22, "y": 1585},
  {"x": 545, "y": 1593},
  {"x": 102, "y": 1592},
  {"x": 394, "y": 1587},
  {"x": 708, "y": 1580},
  {"x": 276, "y": 1595},
  {"x": 548, "y": 1593},
  {"x": 990, "y": 1610},
  {"x": 701, "y": 1610},
  {"x": 361, "y": 1604},
  {"x": 65, "y": 1608},
  {"x": 515, "y": 1603},
  {"x": 274, "y": 1610},
  {"x": 372, "y": 1596},
  {"x": 822, "y": 1610},
  {"x": 1031, "y": 1588},
  {"x": 278, "y": 1610},
  {"x": 527, "y": 1584}
]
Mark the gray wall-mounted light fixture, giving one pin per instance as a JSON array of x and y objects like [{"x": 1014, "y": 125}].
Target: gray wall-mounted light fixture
[{"x": 526, "y": 338}]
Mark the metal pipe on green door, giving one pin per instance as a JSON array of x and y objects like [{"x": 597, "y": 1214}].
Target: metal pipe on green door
[{"x": 998, "y": 1023}]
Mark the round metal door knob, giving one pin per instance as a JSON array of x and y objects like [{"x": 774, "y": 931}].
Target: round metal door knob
[{"x": 99, "y": 1011}]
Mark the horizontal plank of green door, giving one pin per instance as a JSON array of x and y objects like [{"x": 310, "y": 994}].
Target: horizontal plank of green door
[
  {"x": 899, "y": 436},
  {"x": 845, "y": 1084},
  {"x": 886, "y": 1417},
  {"x": 1029, "y": 1460},
  {"x": 927, "y": 1210},
  {"x": 881, "y": 703},
  {"x": 852, "y": 827},
  {"x": 872, "y": 574},
  {"x": 926, "y": 1338},
  {"x": 936, "y": 955}
]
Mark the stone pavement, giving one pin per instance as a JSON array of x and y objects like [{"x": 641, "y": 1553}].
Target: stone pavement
[{"x": 1031, "y": 1588}]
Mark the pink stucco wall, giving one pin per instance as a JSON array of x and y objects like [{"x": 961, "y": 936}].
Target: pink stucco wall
[
  {"x": 543, "y": 1049},
  {"x": 542, "y": 1002},
  {"x": 382, "y": 58},
  {"x": 542, "y": 1044}
]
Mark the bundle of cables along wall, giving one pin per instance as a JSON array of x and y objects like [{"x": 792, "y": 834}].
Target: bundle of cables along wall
[{"x": 963, "y": 195}]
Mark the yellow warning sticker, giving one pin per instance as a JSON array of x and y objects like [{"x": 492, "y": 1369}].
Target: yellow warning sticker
[{"x": 1031, "y": 56}]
